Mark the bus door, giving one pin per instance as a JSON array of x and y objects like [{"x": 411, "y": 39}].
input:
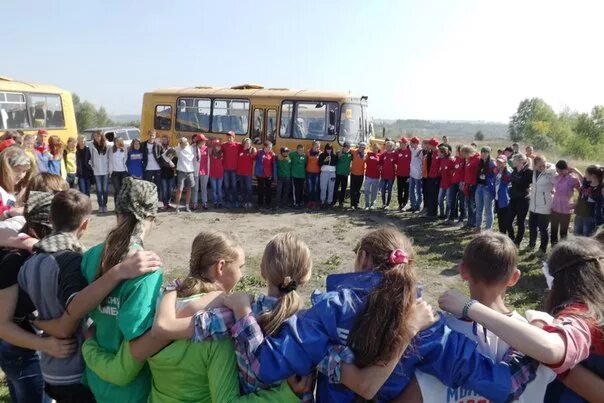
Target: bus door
[{"x": 264, "y": 124}]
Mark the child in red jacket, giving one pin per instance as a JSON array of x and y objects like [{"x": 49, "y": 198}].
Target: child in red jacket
[
  {"x": 403, "y": 171},
  {"x": 388, "y": 172}
]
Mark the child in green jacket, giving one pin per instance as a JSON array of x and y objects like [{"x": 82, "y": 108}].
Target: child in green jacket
[
  {"x": 298, "y": 173},
  {"x": 342, "y": 173},
  {"x": 284, "y": 177}
]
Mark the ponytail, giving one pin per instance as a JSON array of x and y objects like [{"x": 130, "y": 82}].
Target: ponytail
[
  {"x": 380, "y": 331},
  {"x": 117, "y": 243},
  {"x": 193, "y": 286},
  {"x": 288, "y": 304},
  {"x": 286, "y": 264}
]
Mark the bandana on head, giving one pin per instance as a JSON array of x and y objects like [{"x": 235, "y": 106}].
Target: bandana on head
[
  {"x": 59, "y": 241},
  {"x": 37, "y": 208},
  {"x": 139, "y": 198}
]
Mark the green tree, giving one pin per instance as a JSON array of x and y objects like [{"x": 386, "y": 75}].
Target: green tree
[
  {"x": 102, "y": 119},
  {"x": 533, "y": 117},
  {"x": 479, "y": 136},
  {"x": 86, "y": 116}
]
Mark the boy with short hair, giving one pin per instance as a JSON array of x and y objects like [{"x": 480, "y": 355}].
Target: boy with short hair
[
  {"x": 489, "y": 265},
  {"x": 53, "y": 280}
]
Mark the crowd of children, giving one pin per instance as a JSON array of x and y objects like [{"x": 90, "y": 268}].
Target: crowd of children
[{"x": 369, "y": 335}]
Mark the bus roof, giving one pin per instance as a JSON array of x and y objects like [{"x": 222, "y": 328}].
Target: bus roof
[
  {"x": 247, "y": 90},
  {"x": 8, "y": 84}
]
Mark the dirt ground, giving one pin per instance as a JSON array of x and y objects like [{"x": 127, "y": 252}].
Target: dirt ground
[{"x": 331, "y": 236}]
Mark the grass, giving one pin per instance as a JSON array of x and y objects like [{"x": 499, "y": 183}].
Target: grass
[{"x": 4, "y": 395}]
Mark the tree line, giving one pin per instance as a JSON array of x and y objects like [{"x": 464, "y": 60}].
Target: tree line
[
  {"x": 88, "y": 116},
  {"x": 570, "y": 133}
]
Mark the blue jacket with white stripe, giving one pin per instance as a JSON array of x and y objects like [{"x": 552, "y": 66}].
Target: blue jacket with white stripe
[{"x": 303, "y": 341}]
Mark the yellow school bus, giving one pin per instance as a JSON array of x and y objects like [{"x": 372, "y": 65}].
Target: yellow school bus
[
  {"x": 282, "y": 116},
  {"x": 31, "y": 107}
]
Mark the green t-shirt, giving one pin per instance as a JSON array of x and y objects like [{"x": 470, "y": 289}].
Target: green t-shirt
[
  {"x": 298, "y": 165},
  {"x": 126, "y": 313},
  {"x": 284, "y": 168},
  {"x": 187, "y": 371},
  {"x": 344, "y": 161}
]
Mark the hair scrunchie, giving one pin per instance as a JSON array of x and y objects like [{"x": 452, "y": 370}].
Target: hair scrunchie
[
  {"x": 288, "y": 285},
  {"x": 399, "y": 256}
]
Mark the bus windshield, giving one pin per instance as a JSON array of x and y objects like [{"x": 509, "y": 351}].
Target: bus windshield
[{"x": 351, "y": 124}]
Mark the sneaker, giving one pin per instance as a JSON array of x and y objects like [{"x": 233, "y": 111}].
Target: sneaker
[
  {"x": 366, "y": 208},
  {"x": 194, "y": 207},
  {"x": 401, "y": 208},
  {"x": 177, "y": 210},
  {"x": 187, "y": 209},
  {"x": 204, "y": 206},
  {"x": 385, "y": 208}
]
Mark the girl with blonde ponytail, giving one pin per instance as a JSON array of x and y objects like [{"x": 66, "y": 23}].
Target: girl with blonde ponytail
[{"x": 215, "y": 267}]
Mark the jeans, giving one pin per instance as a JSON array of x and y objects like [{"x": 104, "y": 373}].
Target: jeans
[
  {"x": 484, "y": 204},
  {"x": 503, "y": 214},
  {"x": 21, "y": 369},
  {"x": 541, "y": 222},
  {"x": 245, "y": 183},
  {"x": 341, "y": 186},
  {"x": 432, "y": 188},
  {"x": 453, "y": 203},
  {"x": 216, "y": 184},
  {"x": 167, "y": 184},
  {"x": 415, "y": 188},
  {"x": 443, "y": 207},
  {"x": 117, "y": 178},
  {"x": 102, "y": 189},
  {"x": 471, "y": 205},
  {"x": 585, "y": 226},
  {"x": 201, "y": 185},
  {"x": 283, "y": 185},
  {"x": 356, "y": 183},
  {"x": 402, "y": 189},
  {"x": 371, "y": 191},
  {"x": 560, "y": 222},
  {"x": 71, "y": 180},
  {"x": 155, "y": 177},
  {"x": 386, "y": 188},
  {"x": 84, "y": 185},
  {"x": 312, "y": 180},
  {"x": 298, "y": 191},
  {"x": 230, "y": 187},
  {"x": 519, "y": 210},
  {"x": 264, "y": 191}
]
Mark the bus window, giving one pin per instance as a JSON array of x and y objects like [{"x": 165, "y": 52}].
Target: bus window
[
  {"x": 258, "y": 124},
  {"x": 351, "y": 124},
  {"x": 47, "y": 110},
  {"x": 13, "y": 111},
  {"x": 163, "y": 117},
  {"x": 193, "y": 114},
  {"x": 287, "y": 112},
  {"x": 271, "y": 126},
  {"x": 230, "y": 115},
  {"x": 313, "y": 120}
]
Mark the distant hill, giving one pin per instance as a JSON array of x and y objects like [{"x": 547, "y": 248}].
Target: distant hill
[
  {"x": 453, "y": 129},
  {"x": 125, "y": 118}
]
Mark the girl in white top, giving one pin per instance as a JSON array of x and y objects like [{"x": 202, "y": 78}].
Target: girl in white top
[
  {"x": 99, "y": 159},
  {"x": 118, "y": 169},
  {"x": 184, "y": 169}
]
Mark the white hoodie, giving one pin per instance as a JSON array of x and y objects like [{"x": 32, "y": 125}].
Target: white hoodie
[{"x": 541, "y": 192}]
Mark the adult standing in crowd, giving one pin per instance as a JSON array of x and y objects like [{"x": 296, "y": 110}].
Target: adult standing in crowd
[
  {"x": 342, "y": 173},
  {"x": 455, "y": 196},
  {"x": 84, "y": 168},
  {"x": 100, "y": 166},
  {"x": 403, "y": 168},
  {"x": 230, "y": 151},
  {"x": 470, "y": 180},
  {"x": 485, "y": 189},
  {"x": 201, "y": 171},
  {"x": 415, "y": 175},
  {"x": 185, "y": 176},
  {"x": 433, "y": 182},
  {"x": 357, "y": 174},
  {"x": 521, "y": 179},
  {"x": 541, "y": 202},
  {"x": 152, "y": 152},
  {"x": 118, "y": 168},
  {"x": 565, "y": 184}
]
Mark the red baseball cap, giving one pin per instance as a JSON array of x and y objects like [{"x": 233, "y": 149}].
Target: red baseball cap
[
  {"x": 404, "y": 140},
  {"x": 200, "y": 137},
  {"x": 231, "y": 134},
  {"x": 415, "y": 140},
  {"x": 6, "y": 143},
  {"x": 433, "y": 142},
  {"x": 42, "y": 131}
]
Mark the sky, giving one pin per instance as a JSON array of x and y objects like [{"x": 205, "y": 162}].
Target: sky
[{"x": 431, "y": 59}]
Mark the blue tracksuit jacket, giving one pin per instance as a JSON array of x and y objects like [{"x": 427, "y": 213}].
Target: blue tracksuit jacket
[{"x": 303, "y": 341}]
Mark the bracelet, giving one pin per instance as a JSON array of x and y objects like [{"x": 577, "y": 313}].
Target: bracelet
[{"x": 466, "y": 308}]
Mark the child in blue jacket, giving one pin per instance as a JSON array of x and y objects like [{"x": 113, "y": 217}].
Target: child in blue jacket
[{"x": 358, "y": 311}]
